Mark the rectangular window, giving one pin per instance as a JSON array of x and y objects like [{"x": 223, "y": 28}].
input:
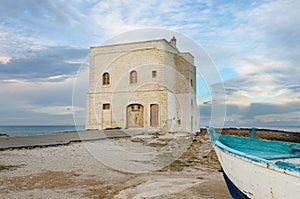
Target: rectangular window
[
  {"x": 106, "y": 106},
  {"x": 154, "y": 74}
]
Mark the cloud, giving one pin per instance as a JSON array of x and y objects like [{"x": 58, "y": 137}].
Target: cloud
[
  {"x": 262, "y": 37},
  {"x": 4, "y": 60},
  {"x": 16, "y": 44},
  {"x": 274, "y": 25},
  {"x": 254, "y": 114},
  {"x": 262, "y": 87},
  {"x": 192, "y": 18},
  {"x": 39, "y": 60},
  {"x": 267, "y": 86},
  {"x": 24, "y": 102},
  {"x": 53, "y": 110},
  {"x": 48, "y": 64},
  {"x": 258, "y": 64},
  {"x": 255, "y": 45},
  {"x": 43, "y": 23},
  {"x": 261, "y": 99},
  {"x": 278, "y": 21},
  {"x": 35, "y": 13},
  {"x": 21, "y": 116}
]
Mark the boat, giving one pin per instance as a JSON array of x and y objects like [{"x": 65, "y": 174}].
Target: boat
[{"x": 258, "y": 168}]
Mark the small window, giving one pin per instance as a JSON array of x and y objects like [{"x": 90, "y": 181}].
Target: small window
[
  {"x": 154, "y": 74},
  {"x": 106, "y": 106},
  {"x": 191, "y": 82},
  {"x": 105, "y": 79},
  {"x": 133, "y": 77}
]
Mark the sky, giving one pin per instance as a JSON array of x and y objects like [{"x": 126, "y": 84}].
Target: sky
[{"x": 254, "y": 45}]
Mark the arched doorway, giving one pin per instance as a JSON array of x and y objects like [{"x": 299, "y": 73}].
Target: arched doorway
[{"x": 135, "y": 116}]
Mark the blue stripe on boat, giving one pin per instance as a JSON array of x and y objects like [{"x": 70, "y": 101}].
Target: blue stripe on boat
[{"x": 233, "y": 190}]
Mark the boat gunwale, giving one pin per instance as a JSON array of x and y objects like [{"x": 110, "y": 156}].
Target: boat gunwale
[{"x": 255, "y": 159}]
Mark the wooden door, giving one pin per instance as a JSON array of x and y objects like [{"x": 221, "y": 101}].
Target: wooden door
[
  {"x": 106, "y": 116},
  {"x": 154, "y": 115},
  {"x": 135, "y": 116}
]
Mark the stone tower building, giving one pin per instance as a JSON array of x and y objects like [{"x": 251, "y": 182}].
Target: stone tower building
[{"x": 148, "y": 85}]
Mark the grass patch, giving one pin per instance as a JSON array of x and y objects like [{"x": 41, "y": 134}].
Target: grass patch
[
  {"x": 156, "y": 144},
  {"x": 9, "y": 167},
  {"x": 137, "y": 140},
  {"x": 176, "y": 166},
  {"x": 151, "y": 144}
]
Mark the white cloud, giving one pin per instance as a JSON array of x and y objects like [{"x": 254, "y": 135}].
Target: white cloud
[
  {"x": 110, "y": 18},
  {"x": 51, "y": 110},
  {"x": 275, "y": 28},
  {"x": 33, "y": 102},
  {"x": 267, "y": 64},
  {"x": 57, "y": 77},
  {"x": 259, "y": 64},
  {"x": 257, "y": 88},
  {"x": 4, "y": 59},
  {"x": 16, "y": 44},
  {"x": 280, "y": 16},
  {"x": 258, "y": 40}
]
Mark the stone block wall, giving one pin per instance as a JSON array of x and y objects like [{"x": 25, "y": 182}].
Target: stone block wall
[{"x": 161, "y": 72}]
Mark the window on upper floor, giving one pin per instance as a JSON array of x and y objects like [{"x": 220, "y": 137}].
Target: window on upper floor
[
  {"x": 106, "y": 106},
  {"x": 105, "y": 79},
  {"x": 133, "y": 77},
  {"x": 154, "y": 74}
]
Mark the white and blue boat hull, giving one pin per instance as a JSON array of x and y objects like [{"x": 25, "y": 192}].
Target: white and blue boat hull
[
  {"x": 246, "y": 179},
  {"x": 259, "y": 169}
]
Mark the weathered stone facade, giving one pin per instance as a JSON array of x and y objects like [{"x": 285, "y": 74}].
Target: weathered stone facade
[{"x": 148, "y": 85}]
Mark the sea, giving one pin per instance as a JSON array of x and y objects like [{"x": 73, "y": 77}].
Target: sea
[{"x": 31, "y": 130}]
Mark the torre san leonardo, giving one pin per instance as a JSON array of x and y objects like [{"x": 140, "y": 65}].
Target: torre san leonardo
[{"x": 147, "y": 85}]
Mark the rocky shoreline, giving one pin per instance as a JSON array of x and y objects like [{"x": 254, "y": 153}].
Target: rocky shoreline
[{"x": 263, "y": 134}]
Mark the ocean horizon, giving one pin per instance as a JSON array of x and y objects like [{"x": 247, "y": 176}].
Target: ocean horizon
[{"x": 14, "y": 130}]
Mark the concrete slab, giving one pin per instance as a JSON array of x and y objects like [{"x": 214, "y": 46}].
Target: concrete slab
[{"x": 60, "y": 138}]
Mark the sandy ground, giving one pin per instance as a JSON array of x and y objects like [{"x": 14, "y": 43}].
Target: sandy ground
[{"x": 150, "y": 166}]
